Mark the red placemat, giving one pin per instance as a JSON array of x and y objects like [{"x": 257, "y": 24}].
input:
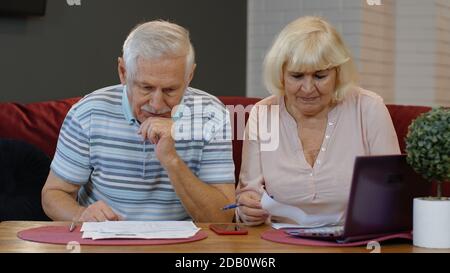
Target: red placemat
[
  {"x": 280, "y": 236},
  {"x": 60, "y": 235}
]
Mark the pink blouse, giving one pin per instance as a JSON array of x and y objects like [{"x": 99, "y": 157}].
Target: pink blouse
[{"x": 359, "y": 125}]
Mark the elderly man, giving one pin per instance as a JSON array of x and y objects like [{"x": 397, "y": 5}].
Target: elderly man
[{"x": 152, "y": 148}]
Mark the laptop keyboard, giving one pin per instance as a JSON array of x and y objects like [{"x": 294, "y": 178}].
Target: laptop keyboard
[{"x": 332, "y": 231}]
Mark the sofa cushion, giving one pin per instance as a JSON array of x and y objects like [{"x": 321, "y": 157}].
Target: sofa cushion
[
  {"x": 36, "y": 123},
  {"x": 402, "y": 116},
  {"x": 233, "y": 103}
]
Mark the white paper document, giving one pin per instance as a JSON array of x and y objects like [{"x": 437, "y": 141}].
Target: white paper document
[
  {"x": 302, "y": 219},
  {"x": 139, "y": 230}
]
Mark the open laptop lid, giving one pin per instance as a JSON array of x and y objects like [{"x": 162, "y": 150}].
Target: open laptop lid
[{"x": 381, "y": 196}]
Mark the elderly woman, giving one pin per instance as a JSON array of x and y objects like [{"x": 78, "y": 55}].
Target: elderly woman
[{"x": 320, "y": 122}]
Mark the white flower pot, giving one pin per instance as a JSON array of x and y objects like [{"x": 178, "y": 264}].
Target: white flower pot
[{"x": 431, "y": 223}]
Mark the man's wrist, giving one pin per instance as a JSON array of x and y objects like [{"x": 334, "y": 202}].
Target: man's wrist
[{"x": 172, "y": 162}]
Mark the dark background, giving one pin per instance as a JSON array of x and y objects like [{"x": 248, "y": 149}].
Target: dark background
[{"x": 73, "y": 50}]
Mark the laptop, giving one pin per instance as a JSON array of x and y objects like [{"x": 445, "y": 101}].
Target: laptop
[{"x": 380, "y": 202}]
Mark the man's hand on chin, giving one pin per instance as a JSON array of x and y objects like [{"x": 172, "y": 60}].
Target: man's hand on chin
[{"x": 158, "y": 131}]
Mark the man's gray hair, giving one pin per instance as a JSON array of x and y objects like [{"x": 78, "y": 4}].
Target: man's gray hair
[{"x": 156, "y": 39}]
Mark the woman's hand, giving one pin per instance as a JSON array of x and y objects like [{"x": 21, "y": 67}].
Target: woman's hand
[{"x": 250, "y": 211}]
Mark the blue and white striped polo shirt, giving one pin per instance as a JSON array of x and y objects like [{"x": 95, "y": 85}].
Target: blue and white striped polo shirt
[{"x": 99, "y": 148}]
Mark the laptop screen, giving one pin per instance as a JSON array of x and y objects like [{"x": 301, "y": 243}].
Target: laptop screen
[{"x": 381, "y": 197}]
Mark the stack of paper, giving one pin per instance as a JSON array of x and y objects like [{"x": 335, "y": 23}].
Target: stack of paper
[{"x": 139, "y": 230}]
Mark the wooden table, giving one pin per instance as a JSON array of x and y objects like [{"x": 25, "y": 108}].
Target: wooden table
[{"x": 251, "y": 243}]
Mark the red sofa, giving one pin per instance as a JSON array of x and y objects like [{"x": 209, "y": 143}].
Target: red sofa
[{"x": 39, "y": 123}]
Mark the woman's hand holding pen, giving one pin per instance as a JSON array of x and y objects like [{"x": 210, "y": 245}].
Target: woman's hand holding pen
[{"x": 250, "y": 210}]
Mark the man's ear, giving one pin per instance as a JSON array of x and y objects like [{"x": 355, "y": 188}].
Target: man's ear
[
  {"x": 191, "y": 75},
  {"x": 122, "y": 70}
]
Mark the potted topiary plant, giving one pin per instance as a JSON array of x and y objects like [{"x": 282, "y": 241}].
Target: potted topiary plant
[{"x": 428, "y": 153}]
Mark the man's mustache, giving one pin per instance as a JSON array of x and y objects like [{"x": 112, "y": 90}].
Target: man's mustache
[{"x": 151, "y": 110}]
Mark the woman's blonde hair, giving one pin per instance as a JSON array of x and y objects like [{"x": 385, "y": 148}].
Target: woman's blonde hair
[{"x": 305, "y": 45}]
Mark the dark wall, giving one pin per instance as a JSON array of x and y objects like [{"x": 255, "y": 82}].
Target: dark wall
[{"x": 73, "y": 50}]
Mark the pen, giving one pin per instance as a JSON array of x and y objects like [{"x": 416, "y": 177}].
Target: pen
[
  {"x": 232, "y": 206},
  {"x": 72, "y": 226}
]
